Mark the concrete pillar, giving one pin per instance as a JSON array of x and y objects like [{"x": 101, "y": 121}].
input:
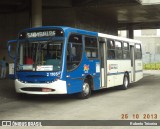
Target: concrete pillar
[
  {"x": 36, "y": 13},
  {"x": 130, "y": 32}
]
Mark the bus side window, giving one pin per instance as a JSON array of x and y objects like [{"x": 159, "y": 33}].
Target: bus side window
[
  {"x": 74, "y": 51},
  {"x": 111, "y": 44},
  {"x": 138, "y": 51},
  {"x": 91, "y": 47},
  {"x": 126, "y": 53},
  {"x": 111, "y": 54},
  {"x": 111, "y": 49},
  {"x": 118, "y": 45}
]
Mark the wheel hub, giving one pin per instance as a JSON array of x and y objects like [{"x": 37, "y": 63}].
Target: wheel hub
[{"x": 86, "y": 89}]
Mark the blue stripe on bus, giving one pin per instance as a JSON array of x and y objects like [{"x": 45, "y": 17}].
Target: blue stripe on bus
[
  {"x": 139, "y": 71},
  {"x": 109, "y": 74}
]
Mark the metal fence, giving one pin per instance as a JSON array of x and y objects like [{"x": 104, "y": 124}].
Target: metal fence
[
  {"x": 151, "y": 58},
  {"x": 151, "y": 66}
]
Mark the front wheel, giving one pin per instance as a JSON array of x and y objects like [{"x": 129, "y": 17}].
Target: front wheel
[
  {"x": 86, "y": 90},
  {"x": 125, "y": 82}
]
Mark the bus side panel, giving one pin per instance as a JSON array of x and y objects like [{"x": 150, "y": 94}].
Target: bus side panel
[
  {"x": 110, "y": 80},
  {"x": 92, "y": 68},
  {"x": 123, "y": 66},
  {"x": 75, "y": 78},
  {"x": 95, "y": 73},
  {"x": 96, "y": 82},
  {"x": 138, "y": 70},
  {"x": 116, "y": 70},
  {"x": 74, "y": 85}
]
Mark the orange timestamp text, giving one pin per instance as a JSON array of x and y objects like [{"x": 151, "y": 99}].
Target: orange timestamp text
[{"x": 139, "y": 116}]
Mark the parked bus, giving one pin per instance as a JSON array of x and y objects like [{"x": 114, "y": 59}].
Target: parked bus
[{"x": 64, "y": 60}]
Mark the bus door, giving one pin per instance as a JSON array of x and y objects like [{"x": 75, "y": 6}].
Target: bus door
[
  {"x": 132, "y": 63},
  {"x": 74, "y": 73},
  {"x": 103, "y": 62}
]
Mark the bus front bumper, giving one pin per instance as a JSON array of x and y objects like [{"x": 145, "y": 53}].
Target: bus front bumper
[{"x": 56, "y": 87}]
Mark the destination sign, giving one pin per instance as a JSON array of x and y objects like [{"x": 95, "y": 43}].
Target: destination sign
[{"x": 42, "y": 33}]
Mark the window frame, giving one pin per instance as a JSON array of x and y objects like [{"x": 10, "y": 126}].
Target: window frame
[
  {"x": 117, "y": 50},
  {"x": 126, "y": 50},
  {"x": 139, "y": 53},
  {"x": 109, "y": 49},
  {"x": 91, "y": 48},
  {"x": 82, "y": 51}
]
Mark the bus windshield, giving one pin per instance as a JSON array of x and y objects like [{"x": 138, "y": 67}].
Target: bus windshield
[{"x": 40, "y": 55}]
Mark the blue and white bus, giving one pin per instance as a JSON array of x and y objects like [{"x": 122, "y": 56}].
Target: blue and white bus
[{"x": 64, "y": 60}]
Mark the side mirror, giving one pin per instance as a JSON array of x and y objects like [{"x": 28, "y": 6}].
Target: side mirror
[{"x": 12, "y": 44}]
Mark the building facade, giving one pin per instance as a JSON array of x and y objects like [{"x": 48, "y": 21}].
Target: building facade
[{"x": 150, "y": 44}]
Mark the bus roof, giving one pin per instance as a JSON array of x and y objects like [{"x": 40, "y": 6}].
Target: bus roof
[
  {"x": 81, "y": 31},
  {"x": 118, "y": 38},
  {"x": 65, "y": 28}
]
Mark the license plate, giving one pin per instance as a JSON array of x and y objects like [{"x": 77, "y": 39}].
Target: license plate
[{"x": 46, "y": 90}]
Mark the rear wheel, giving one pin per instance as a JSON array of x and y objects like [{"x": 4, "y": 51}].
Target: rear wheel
[
  {"x": 125, "y": 82},
  {"x": 86, "y": 90}
]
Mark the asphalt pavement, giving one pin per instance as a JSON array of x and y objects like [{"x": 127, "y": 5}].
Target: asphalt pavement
[{"x": 141, "y": 98}]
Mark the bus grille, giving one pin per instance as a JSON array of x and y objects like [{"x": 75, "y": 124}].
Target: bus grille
[{"x": 34, "y": 89}]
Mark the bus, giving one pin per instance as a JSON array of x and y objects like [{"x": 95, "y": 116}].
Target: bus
[{"x": 65, "y": 60}]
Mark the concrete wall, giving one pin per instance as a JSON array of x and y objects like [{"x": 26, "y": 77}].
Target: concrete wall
[
  {"x": 151, "y": 48},
  {"x": 93, "y": 22},
  {"x": 150, "y": 44},
  {"x": 79, "y": 18},
  {"x": 10, "y": 24},
  {"x": 62, "y": 17}
]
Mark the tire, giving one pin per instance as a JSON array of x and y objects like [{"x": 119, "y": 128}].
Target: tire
[
  {"x": 125, "y": 82},
  {"x": 86, "y": 90}
]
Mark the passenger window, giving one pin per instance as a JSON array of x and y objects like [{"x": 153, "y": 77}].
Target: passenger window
[
  {"x": 138, "y": 51},
  {"x": 91, "y": 47},
  {"x": 126, "y": 53},
  {"x": 118, "y": 46},
  {"x": 74, "y": 51},
  {"x": 111, "y": 49},
  {"x": 125, "y": 46},
  {"x": 111, "y": 54},
  {"x": 111, "y": 44}
]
